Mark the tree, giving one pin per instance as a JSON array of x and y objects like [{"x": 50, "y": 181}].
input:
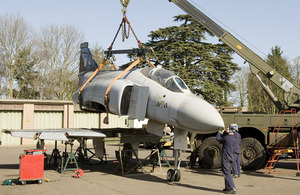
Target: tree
[
  {"x": 59, "y": 59},
  {"x": 15, "y": 38},
  {"x": 2, "y": 78},
  {"x": 205, "y": 67},
  {"x": 98, "y": 55},
  {"x": 256, "y": 96},
  {"x": 26, "y": 75},
  {"x": 240, "y": 79},
  {"x": 258, "y": 100},
  {"x": 294, "y": 68},
  {"x": 132, "y": 58}
]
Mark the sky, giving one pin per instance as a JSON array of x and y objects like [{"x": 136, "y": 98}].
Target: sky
[{"x": 259, "y": 24}]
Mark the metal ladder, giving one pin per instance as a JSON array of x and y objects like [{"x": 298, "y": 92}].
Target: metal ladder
[{"x": 278, "y": 143}]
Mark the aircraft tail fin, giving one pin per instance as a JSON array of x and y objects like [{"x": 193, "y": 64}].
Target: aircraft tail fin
[{"x": 87, "y": 63}]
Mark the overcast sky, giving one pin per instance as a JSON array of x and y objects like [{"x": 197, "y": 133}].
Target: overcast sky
[{"x": 262, "y": 23}]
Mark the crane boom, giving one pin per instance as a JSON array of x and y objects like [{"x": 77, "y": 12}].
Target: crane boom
[{"x": 257, "y": 64}]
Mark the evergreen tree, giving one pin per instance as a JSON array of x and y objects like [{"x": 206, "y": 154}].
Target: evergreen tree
[
  {"x": 25, "y": 75},
  {"x": 258, "y": 100},
  {"x": 205, "y": 67}
]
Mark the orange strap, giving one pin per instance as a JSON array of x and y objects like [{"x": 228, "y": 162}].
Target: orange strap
[
  {"x": 90, "y": 78},
  {"x": 113, "y": 65},
  {"x": 150, "y": 64},
  {"x": 117, "y": 77}
]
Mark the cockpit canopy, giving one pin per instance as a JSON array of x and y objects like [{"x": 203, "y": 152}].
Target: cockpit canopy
[{"x": 167, "y": 79}]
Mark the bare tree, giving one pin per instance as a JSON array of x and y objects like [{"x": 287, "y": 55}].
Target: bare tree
[
  {"x": 240, "y": 79},
  {"x": 15, "y": 37},
  {"x": 2, "y": 78},
  {"x": 59, "y": 59},
  {"x": 241, "y": 85},
  {"x": 295, "y": 70},
  {"x": 99, "y": 55}
]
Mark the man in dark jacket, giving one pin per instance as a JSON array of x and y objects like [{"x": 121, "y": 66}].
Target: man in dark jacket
[
  {"x": 236, "y": 165},
  {"x": 229, "y": 141}
]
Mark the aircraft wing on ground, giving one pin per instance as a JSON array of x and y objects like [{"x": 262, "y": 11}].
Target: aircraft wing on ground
[
  {"x": 62, "y": 134},
  {"x": 126, "y": 135}
]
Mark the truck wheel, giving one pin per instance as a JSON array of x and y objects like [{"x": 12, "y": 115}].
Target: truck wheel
[
  {"x": 253, "y": 154},
  {"x": 194, "y": 156},
  {"x": 210, "y": 153}
]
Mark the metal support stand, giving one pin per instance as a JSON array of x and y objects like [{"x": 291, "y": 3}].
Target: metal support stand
[
  {"x": 125, "y": 160},
  {"x": 82, "y": 152},
  {"x": 164, "y": 158},
  {"x": 127, "y": 164},
  {"x": 55, "y": 156},
  {"x": 67, "y": 159},
  {"x": 70, "y": 160}
]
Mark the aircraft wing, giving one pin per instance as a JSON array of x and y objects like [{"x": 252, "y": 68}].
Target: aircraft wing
[{"x": 56, "y": 134}]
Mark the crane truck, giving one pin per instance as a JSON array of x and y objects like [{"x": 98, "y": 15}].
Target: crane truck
[{"x": 257, "y": 130}]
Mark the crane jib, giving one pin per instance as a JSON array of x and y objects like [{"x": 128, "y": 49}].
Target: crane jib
[{"x": 257, "y": 64}]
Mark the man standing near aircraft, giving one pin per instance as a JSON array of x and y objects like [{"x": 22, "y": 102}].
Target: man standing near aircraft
[
  {"x": 229, "y": 141},
  {"x": 236, "y": 165}
]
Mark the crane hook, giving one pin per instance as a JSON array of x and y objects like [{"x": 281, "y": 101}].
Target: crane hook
[{"x": 125, "y": 3}]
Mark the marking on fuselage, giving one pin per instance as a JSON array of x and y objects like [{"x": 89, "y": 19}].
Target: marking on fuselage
[
  {"x": 183, "y": 105},
  {"x": 162, "y": 104}
]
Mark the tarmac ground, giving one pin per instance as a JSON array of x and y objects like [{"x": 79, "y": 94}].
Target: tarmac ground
[{"x": 101, "y": 178}]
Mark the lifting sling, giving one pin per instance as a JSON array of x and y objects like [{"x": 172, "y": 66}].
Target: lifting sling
[{"x": 109, "y": 54}]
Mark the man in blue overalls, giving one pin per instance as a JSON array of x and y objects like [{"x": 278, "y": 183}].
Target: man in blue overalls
[
  {"x": 229, "y": 141},
  {"x": 236, "y": 165}
]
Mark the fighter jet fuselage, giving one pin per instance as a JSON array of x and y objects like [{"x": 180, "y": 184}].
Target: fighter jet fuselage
[{"x": 153, "y": 93}]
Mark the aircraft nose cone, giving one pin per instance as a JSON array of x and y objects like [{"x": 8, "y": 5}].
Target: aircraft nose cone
[{"x": 198, "y": 115}]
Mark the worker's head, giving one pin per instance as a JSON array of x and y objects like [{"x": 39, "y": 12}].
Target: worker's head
[{"x": 234, "y": 128}]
